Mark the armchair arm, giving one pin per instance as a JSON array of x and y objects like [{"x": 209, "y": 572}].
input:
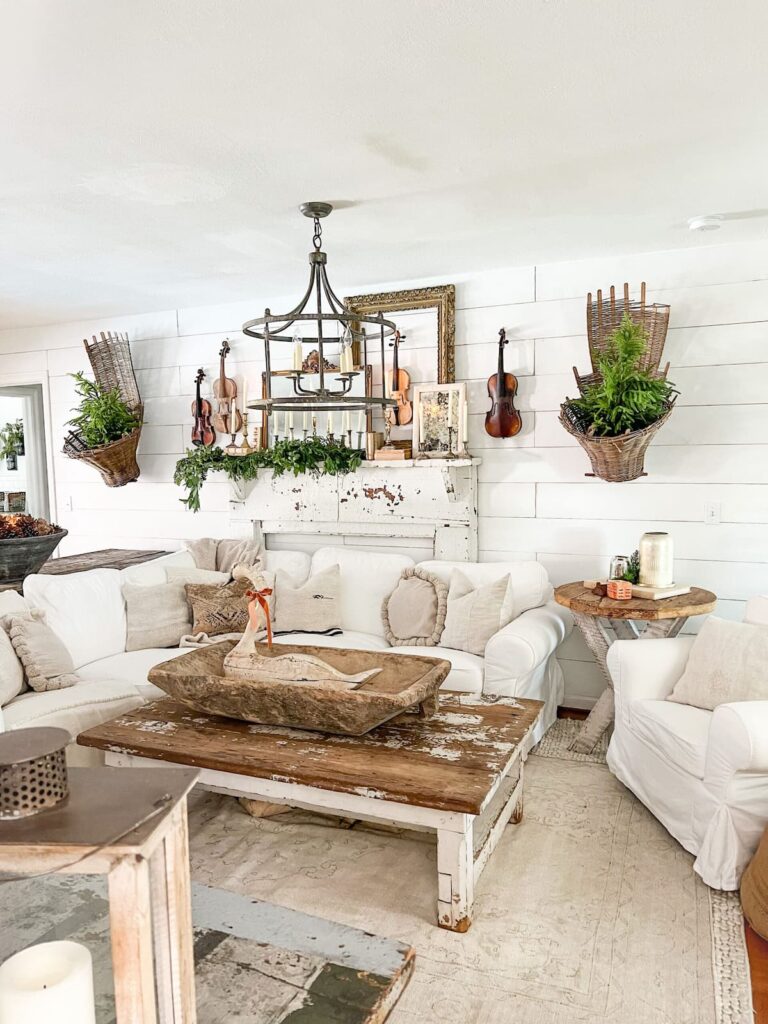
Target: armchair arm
[
  {"x": 516, "y": 651},
  {"x": 646, "y": 669},
  {"x": 738, "y": 740}
]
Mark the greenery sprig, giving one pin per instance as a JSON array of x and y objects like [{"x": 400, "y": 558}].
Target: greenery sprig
[
  {"x": 315, "y": 455},
  {"x": 625, "y": 397},
  {"x": 102, "y": 416}
]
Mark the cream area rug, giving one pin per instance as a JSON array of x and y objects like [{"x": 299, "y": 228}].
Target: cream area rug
[{"x": 588, "y": 912}]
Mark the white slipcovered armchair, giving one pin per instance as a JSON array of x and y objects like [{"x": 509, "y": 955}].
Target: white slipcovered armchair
[{"x": 703, "y": 774}]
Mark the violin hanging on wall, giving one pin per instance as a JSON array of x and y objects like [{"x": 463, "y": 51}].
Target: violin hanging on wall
[
  {"x": 400, "y": 382},
  {"x": 202, "y": 432},
  {"x": 503, "y": 419},
  {"x": 225, "y": 391}
]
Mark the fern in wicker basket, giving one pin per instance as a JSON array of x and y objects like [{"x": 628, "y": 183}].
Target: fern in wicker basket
[{"x": 621, "y": 407}]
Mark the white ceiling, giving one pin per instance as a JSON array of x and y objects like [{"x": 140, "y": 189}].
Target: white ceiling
[{"x": 153, "y": 152}]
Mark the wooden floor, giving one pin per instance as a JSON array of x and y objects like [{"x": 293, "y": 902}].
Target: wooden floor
[{"x": 757, "y": 947}]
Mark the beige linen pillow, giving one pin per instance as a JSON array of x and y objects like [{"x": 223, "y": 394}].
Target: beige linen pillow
[
  {"x": 728, "y": 662},
  {"x": 47, "y": 663},
  {"x": 474, "y": 614},
  {"x": 414, "y": 613},
  {"x": 185, "y": 574},
  {"x": 312, "y": 607},
  {"x": 156, "y": 616},
  {"x": 223, "y": 554}
]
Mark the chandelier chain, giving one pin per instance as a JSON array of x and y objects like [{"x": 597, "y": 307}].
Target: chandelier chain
[{"x": 317, "y": 238}]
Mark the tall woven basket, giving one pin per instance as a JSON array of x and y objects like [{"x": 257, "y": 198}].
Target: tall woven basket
[
  {"x": 110, "y": 357},
  {"x": 619, "y": 459}
]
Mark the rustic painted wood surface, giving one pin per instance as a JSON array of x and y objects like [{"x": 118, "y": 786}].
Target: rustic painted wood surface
[
  {"x": 255, "y": 963},
  {"x": 435, "y": 500},
  {"x": 406, "y": 681},
  {"x": 602, "y": 621},
  {"x": 108, "y": 558},
  {"x": 449, "y": 762},
  {"x": 134, "y": 831},
  {"x": 576, "y": 597}
]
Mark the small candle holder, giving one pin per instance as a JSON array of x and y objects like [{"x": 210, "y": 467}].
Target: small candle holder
[
  {"x": 451, "y": 454},
  {"x": 349, "y": 438},
  {"x": 306, "y": 432},
  {"x": 291, "y": 432},
  {"x": 256, "y": 438},
  {"x": 360, "y": 440}
]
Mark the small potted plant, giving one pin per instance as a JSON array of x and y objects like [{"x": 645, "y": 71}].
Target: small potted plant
[
  {"x": 621, "y": 407},
  {"x": 26, "y": 544},
  {"x": 9, "y": 446},
  {"x": 105, "y": 432}
]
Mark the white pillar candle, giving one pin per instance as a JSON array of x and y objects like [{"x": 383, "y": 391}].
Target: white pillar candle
[
  {"x": 329, "y": 424},
  {"x": 346, "y": 421},
  {"x": 277, "y": 424},
  {"x": 290, "y": 420},
  {"x": 465, "y": 423},
  {"x": 360, "y": 422},
  {"x": 305, "y": 422},
  {"x": 244, "y": 395},
  {"x": 52, "y": 981},
  {"x": 298, "y": 354}
]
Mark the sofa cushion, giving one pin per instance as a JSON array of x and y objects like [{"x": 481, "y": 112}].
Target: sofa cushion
[
  {"x": 466, "y": 673},
  {"x": 528, "y": 587},
  {"x": 676, "y": 731},
  {"x": 132, "y": 667},
  {"x": 474, "y": 613},
  {"x": 76, "y": 708},
  {"x": 84, "y": 609},
  {"x": 149, "y": 574},
  {"x": 296, "y": 563},
  {"x": 727, "y": 663},
  {"x": 414, "y": 613},
  {"x": 310, "y": 607},
  {"x": 367, "y": 577},
  {"x": 348, "y": 638}
]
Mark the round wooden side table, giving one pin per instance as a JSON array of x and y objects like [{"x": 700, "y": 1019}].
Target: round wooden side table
[{"x": 602, "y": 620}]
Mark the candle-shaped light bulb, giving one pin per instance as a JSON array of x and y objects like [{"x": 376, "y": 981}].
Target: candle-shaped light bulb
[
  {"x": 298, "y": 354},
  {"x": 345, "y": 359}
]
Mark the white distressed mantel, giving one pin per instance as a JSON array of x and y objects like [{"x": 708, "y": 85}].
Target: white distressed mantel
[{"x": 433, "y": 500}]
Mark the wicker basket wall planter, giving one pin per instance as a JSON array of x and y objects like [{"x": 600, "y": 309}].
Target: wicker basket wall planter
[
  {"x": 116, "y": 461},
  {"x": 110, "y": 357},
  {"x": 615, "y": 459},
  {"x": 620, "y": 458}
]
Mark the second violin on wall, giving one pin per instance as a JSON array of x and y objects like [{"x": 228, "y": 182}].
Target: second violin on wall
[{"x": 502, "y": 419}]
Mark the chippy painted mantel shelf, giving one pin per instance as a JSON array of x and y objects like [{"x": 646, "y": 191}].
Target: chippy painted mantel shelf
[{"x": 426, "y": 499}]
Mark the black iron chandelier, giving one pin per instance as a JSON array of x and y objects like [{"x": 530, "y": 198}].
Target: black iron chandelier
[{"x": 356, "y": 335}]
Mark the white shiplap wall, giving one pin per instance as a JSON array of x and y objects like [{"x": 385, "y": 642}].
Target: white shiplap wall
[{"x": 535, "y": 501}]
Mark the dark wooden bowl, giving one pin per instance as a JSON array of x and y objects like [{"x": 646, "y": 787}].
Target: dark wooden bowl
[{"x": 21, "y": 556}]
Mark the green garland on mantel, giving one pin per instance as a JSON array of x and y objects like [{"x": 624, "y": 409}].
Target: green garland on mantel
[{"x": 315, "y": 455}]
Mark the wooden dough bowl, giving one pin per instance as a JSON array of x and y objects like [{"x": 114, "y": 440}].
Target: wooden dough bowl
[{"x": 407, "y": 682}]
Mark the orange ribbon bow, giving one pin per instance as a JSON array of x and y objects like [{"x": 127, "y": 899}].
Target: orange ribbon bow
[{"x": 260, "y": 596}]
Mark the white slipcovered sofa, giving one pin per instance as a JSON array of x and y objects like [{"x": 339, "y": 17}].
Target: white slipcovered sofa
[
  {"x": 86, "y": 610},
  {"x": 703, "y": 774}
]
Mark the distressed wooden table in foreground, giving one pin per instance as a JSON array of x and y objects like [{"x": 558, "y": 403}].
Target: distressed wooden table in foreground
[
  {"x": 458, "y": 774},
  {"x": 602, "y": 620},
  {"x": 134, "y": 831}
]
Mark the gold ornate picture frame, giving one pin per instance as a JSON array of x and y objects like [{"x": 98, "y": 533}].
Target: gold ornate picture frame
[{"x": 439, "y": 297}]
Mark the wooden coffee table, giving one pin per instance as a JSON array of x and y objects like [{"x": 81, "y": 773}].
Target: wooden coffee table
[{"x": 458, "y": 774}]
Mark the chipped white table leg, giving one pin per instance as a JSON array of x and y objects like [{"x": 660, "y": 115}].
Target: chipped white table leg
[{"x": 455, "y": 875}]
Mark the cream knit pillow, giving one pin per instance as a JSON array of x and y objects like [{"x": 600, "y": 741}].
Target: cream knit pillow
[
  {"x": 474, "y": 613},
  {"x": 414, "y": 613},
  {"x": 728, "y": 662},
  {"x": 47, "y": 663}
]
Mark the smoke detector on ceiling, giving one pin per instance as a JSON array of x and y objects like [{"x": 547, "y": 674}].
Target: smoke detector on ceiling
[{"x": 711, "y": 223}]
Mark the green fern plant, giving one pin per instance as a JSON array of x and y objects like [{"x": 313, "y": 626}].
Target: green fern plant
[
  {"x": 625, "y": 397},
  {"x": 102, "y": 415}
]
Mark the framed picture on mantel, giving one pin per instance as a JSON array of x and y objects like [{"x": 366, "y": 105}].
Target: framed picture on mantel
[{"x": 439, "y": 420}]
